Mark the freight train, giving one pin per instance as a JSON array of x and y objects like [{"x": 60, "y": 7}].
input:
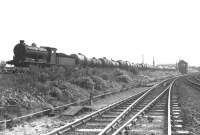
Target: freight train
[
  {"x": 26, "y": 55},
  {"x": 183, "y": 67}
]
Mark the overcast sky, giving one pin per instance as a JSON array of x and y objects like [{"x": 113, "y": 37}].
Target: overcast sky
[{"x": 168, "y": 30}]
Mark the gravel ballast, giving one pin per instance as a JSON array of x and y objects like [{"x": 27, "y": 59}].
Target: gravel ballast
[{"x": 189, "y": 98}]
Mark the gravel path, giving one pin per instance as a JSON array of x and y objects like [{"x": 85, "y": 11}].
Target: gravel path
[{"x": 46, "y": 124}]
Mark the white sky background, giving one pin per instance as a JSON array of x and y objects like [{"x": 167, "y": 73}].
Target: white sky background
[{"x": 168, "y": 30}]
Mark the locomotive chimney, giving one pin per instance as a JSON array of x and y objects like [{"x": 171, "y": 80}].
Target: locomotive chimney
[{"x": 21, "y": 41}]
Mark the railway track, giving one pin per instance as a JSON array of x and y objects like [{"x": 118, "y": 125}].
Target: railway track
[
  {"x": 161, "y": 116},
  {"x": 197, "y": 78},
  {"x": 54, "y": 110},
  {"x": 109, "y": 119},
  {"x": 193, "y": 81}
]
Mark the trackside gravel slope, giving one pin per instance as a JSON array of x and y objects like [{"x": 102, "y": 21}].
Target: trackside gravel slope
[{"x": 49, "y": 87}]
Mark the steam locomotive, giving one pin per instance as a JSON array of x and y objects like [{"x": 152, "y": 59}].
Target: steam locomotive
[{"x": 26, "y": 55}]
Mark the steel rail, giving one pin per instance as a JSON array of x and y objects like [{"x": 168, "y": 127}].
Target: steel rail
[
  {"x": 196, "y": 78},
  {"x": 72, "y": 125},
  {"x": 134, "y": 118},
  {"x": 169, "y": 124},
  {"x": 191, "y": 82},
  {"x": 170, "y": 114}
]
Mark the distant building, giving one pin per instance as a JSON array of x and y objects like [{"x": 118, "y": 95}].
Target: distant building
[{"x": 183, "y": 67}]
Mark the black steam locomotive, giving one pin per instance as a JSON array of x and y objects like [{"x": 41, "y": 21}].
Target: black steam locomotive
[{"x": 26, "y": 55}]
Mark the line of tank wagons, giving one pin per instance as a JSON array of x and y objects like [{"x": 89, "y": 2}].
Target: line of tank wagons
[{"x": 26, "y": 55}]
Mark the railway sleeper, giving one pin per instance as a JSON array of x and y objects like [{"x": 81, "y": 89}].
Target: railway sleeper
[
  {"x": 114, "y": 113},
  {"x": 157, "y": 110},
  {"x": 181, "y": 132},
  {"x": 96, "y": 124},
  {"x": 109, "y": 116},
  {"x": 84, "y": 132},
  {"x": 117, "y": 110},
  {"x": 103, "y": 120},
  {"x": 122, "y": 107}
]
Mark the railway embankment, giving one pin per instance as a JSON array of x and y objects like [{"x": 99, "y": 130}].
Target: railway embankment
[
  {"x": 47, "y": 124},
  {"x": 38, "y": 89}
]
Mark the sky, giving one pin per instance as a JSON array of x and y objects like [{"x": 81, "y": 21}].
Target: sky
[{"x": 118, "y": 29}]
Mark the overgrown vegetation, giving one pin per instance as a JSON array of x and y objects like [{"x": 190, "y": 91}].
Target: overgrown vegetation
[
  {"x": 99, "y": 83},
  {"x": 46, "y": 87},
  {"x": 84, "y": 82},
  {"x": 123, "y": 78}
]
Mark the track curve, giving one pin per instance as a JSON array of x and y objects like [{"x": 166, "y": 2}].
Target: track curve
[{"x": 107, "y": 120}]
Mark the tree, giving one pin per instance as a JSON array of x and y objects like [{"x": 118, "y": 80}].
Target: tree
[{"x": 2, "y": 64}]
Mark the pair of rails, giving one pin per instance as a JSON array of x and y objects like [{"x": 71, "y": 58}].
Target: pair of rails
[{"x": 119, "y": 118}]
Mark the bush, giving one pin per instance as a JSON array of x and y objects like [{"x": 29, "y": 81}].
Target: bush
[
  {"x": 44, "y": 74},
  {"x": 56, "y": 93},
  {"x": 100, "y": 84},
  {"x": 41, "y": 88},
  {"x": 118, "y": 72},
  {"x": 105, "y": 76},
  {"x": 94, "y": 71},
  {"x": 43, "y": 77},
  {"x": 84, "y": 82},
  {"x": 123, "y": 78},
  {"x": 68, "y": 71},
  {"x": 72, "y": 92},
  {"x": 2, "y": 65},
  {"x": 79, "y": 73},
  {"x": 20, "y": 79},
  {"x": 84, "y": 72},
  {"x": 134, "y": 71},
  {"x": 56, "y": 73}
]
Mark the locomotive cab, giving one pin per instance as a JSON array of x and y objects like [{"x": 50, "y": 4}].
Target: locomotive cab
[{"x": 51, "y": 58}]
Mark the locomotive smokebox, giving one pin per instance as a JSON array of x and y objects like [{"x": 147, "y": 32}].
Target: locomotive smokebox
[{"x": 19, "y": 52}]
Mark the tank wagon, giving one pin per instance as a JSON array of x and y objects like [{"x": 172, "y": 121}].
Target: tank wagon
[
  {"x": 26, "y": 55},
  {"x": 183, "y": 67}
]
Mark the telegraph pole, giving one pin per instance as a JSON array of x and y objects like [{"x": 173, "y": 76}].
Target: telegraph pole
[
  {"x": 153, "y": 62},
  {"x": 142, "y": 58}
]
